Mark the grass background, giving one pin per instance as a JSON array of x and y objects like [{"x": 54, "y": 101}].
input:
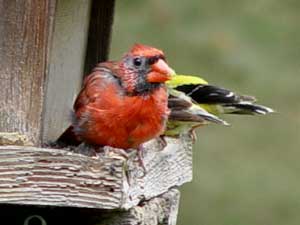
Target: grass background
[{"x": 247, "y": 174}]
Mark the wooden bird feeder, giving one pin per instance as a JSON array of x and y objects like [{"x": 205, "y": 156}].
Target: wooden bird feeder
[{"x": 45, "y": 49}]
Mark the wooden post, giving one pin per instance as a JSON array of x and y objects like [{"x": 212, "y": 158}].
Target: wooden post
[
  {"x": 25, "y": 39},
  {"x": 45, "y": 49},
  {"x": 66, "y": 65}
]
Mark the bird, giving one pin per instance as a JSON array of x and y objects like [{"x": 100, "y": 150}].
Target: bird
[
  {"x": 122, "y": 104},
  {"x": 185, "y": 115},
  {"x": 212, "y": 99}
]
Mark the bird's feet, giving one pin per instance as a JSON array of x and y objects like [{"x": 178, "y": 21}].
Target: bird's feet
[
  {"x": 162, "y": 140},
  {"x": 192, "y": 134}
]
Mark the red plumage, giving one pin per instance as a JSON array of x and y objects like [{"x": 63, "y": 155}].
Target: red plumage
[{"x": 124, "y": 103}]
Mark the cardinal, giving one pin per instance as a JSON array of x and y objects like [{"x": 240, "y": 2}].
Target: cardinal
[{"x": 123, "y": 103}]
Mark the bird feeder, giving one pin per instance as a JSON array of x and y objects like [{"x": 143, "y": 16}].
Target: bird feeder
[{"x": 46, "y": 47}]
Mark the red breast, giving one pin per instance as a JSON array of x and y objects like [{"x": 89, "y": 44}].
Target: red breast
[{"x": 119, "y": 120}]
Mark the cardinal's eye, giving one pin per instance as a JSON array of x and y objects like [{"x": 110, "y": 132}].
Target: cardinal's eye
[{"x": 137, "y": 61}]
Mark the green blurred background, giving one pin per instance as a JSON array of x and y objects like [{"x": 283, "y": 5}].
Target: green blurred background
[{"x": 246, "y": 174}]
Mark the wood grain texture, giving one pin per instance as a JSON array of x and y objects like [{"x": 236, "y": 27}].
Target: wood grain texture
[
  {"x": 25, "y": 34},
  {"x": 66, "y": 65},
  {"x": 100, "y": 28},
  {"x": 109, "y": 180}
]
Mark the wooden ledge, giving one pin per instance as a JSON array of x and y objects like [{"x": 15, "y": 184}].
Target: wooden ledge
[
  {"x": 109, "y": 180},
  {"x": 161, "y": 210}
]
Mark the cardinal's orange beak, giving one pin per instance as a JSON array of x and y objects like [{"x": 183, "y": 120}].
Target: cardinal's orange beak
[{"x": 161, "y": 72}]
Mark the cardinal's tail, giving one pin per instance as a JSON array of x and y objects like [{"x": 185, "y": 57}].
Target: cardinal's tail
[{"x": 68, "y": 138}]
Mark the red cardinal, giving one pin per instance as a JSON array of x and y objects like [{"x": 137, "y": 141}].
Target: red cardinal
[{"x": 122, "y": 103}]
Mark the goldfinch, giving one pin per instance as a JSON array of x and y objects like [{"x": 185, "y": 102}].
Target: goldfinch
[
  {"x": 190, "y": 95},
  {"x": 214, "y": 99}
]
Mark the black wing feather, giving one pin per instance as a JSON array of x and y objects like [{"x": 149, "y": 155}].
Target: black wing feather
[{"x": 210, "y": 94}]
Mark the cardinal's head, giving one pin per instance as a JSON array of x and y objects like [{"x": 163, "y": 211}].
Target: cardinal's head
[{"x": 144, "y": 69}]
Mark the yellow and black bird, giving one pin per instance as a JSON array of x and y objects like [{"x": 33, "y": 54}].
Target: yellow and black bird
[{"x": 190, "y": 95}]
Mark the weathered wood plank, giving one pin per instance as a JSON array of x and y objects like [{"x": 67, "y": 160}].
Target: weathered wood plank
[
  {"x": 100, "y": 27},
  {"x": 161, "y": 210},
  {"x": 166, "y": 168},
  {"x": 108, "y": 180},
  {"x": 66, "y": 64},
  {"x": 25, "y": 34}
]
